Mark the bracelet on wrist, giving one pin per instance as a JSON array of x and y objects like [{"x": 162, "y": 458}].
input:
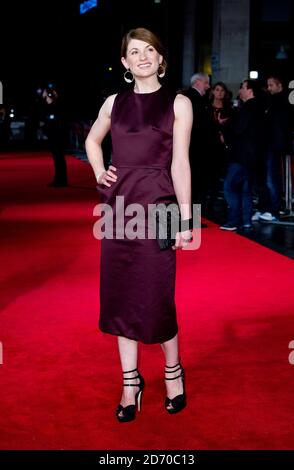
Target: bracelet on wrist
[{"x": 186, "y": 224}]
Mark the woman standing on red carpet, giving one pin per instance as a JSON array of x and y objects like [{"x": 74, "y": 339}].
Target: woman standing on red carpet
[{"x": 150, "y": 130}]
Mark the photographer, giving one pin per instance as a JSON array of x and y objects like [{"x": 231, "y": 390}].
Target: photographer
[{"x": 55, "y": 130}]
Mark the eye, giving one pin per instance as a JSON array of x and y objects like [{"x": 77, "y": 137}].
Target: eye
[
  {"x": 133, "y": 52},
  {"x": 151, "y": 49}
]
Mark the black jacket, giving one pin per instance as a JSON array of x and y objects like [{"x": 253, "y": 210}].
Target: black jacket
[
  {"x": 55, "y": 126},
  {"x": 202, "y": 123},
  {"x": 247, "y": 135},
  {"x": 278, "y": 123}
]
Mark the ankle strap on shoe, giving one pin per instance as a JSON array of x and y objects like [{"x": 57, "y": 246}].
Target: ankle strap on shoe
[
  {"x": 179, "y": 367},
  {"x": 133, "y": 385},
  {"x": 172, "y": 367},
  {"x": 129, "y": 371},
  {"x": 131, "y": 378},
  {"x": 175, "y": 368}
]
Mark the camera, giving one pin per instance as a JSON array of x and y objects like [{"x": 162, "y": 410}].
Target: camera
[{"x": 50, "y": 91}]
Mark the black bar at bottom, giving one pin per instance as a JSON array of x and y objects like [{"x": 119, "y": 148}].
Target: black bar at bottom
[{"x": 133, "y": 458}]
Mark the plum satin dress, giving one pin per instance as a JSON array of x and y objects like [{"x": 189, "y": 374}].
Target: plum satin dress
[{"x": 137, "y": 279}]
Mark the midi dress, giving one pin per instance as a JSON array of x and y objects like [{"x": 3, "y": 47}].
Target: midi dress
[{"x": 137, "y": 279}]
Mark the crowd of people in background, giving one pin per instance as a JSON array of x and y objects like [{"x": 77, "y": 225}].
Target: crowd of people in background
[{"x": 239, "y": 145}]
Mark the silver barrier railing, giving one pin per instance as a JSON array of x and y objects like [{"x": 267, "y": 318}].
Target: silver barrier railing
[
  {"x": 288, "y": 185},
  {"x": 288, "y": 217}
]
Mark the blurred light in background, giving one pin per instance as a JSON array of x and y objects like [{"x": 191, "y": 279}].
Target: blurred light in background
[
  {"x": 253, "y": 74},
  {"x": 281, "y": 54},
  {"x": 87, "y": 5}
]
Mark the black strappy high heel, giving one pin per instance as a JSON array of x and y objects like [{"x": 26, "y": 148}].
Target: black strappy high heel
[
  {"x": 179, "y": 402},
  {"x": 128, "y": 413}
]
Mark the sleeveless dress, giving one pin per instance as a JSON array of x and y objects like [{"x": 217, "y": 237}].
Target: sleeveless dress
[{"x": 137, "y": 279}]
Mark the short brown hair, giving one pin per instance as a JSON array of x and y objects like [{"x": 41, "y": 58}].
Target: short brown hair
[
  {"x": 145, "y": 35},
  {"x": 276, "y": 79},
  {"x": 252, "y": 85}
]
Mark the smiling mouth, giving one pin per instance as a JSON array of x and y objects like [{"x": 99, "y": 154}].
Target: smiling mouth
[{"x": 143, "y": 66}]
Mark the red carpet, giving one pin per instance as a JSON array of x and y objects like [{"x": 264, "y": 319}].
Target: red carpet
[{"x": 60, "y": 377}]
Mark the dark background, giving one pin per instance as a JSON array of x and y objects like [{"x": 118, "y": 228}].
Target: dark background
[{"x": 50, "y": 41}]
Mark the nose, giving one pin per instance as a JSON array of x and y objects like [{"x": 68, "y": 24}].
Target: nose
[{"x": 142, "y": 55}]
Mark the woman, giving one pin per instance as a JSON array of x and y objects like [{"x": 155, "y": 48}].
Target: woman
[
  {"x": 150, "y": 132},
  {"x": 220, "y": 113}
]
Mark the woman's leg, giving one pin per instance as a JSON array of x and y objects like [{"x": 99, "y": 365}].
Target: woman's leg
[
  {"x": 128, "y": 352},
  {"x": 171, "y": 353}
]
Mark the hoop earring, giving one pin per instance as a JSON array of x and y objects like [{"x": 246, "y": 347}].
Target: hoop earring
[
  {"x": 128, "y": 80},
  {"x": 161, "y": 73}
]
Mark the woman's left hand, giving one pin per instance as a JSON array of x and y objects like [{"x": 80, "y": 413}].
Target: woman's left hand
[{"x": 183, "y": 239}]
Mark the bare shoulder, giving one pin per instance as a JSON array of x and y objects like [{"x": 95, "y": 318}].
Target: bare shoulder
[
  {"x": 108, "y": 104},
  {"x": 182, "y": 104}
]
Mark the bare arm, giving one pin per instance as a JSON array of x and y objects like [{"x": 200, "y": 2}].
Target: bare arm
[
  {"x": 180, "y": 168},
  {"x": 94, "y": 140}
]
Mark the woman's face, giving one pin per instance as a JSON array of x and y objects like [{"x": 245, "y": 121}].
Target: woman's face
[
  {"x": 142, "y": 58},
  {"x": 219, "y": 92}
]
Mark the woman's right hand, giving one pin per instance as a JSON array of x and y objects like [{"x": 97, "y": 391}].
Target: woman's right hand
[
  {"x": 222, "y": 121},
  {"x": 106, "y": 176}
]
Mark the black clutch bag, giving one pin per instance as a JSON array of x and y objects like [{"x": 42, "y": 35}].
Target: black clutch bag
[{"x": 168, "y": 222}]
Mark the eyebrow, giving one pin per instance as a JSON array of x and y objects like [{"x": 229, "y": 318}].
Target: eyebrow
[{"x": 136, "y": 49}]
